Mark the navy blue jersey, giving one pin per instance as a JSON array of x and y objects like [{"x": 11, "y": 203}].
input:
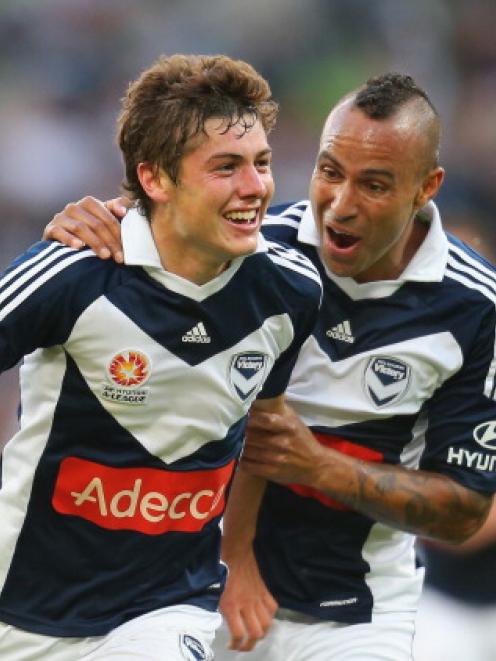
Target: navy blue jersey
[
  {"x": 401, "y": 372},
  {"x": 134, "y": 392}
]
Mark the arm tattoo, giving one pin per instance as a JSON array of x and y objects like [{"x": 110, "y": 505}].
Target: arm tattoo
[{"x": 420, "y": 502}]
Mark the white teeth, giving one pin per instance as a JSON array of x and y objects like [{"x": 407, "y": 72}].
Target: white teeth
[
  {"x": 340, "y": 233},
  {"x": 242, "y": 215}
]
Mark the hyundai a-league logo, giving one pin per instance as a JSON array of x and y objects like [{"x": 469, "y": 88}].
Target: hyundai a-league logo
[
  {"x": 127, "y": 371},
  {"x": 386, "y": 380},
  {"x": 129, "y": 368},
  {"x": 247, "y": 373}
]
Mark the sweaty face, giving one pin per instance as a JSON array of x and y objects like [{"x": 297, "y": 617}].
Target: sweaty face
[
  {"x": 366, "y": 188},
  {"x": 214, "y": 212}
]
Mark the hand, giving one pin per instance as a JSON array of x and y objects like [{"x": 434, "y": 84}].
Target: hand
[
  {"x": 92, "y": 223},
  {"x": 246, "y": 604},
  {"x": 281, "y": 448}
]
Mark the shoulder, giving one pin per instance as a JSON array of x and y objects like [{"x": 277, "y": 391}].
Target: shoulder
[
  {"x": 282, "y": 222},
  {"x": 473, "y": 276},
  {"x": 46, "y": 259},
  {"x": 48, "y": 270},
  {"x": 288, "y": 258},
  {"x": 292, "y": 271}
]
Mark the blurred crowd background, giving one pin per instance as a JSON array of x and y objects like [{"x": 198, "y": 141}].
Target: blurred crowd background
[{"x": 64, "y": 65}]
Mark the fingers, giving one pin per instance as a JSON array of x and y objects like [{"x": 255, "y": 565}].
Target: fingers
[
  {"x": 87, "y": 222},
  {"x": 256, "y": 628},
  {"x": 56, "y": 233},
  {"x": 118, "y": 206},
  {"x": 246, "y": 604},
  {"x": 236, "y": 628},
  {"x": 249, "y": 625},
  {"x": 268, "y": 471},
  {"x": 267, "y": 422}
]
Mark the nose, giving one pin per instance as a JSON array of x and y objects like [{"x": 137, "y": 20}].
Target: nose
[
  {"x": 343, "y": 203},
  {"x": 252, "y": 183}
]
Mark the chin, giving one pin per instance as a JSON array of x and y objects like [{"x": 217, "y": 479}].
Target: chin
[
  {"x": 243, "y": 248},
  {"x": 339, "y": 269}
]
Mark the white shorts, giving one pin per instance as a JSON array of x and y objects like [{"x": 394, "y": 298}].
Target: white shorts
[
  {"x": 177, "y": 633},
  {"x": 389, "y": 637},
  {"x": 450, "y": 629}
]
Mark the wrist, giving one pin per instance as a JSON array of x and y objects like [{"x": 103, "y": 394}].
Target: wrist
[
  {"x": 322, "y": 467},
  {"x": 237, "y": 549}
]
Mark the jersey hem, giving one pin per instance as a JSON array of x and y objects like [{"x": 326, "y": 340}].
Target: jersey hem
[{"x": 82, "y": 631}]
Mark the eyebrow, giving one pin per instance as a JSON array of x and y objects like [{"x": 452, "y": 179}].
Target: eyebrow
[
  {"x": 237, "y": 157},
  {"x": 325, "y": 156}
]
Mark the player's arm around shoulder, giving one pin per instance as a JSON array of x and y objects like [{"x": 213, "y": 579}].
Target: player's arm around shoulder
[{"x": 92, "y": 223}]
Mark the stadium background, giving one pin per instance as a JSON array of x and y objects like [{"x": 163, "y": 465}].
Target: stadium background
[{"x": 64, "y": 65}]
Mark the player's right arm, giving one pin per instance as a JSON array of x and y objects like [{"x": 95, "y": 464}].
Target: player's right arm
[{"x": 90, "y": 222}]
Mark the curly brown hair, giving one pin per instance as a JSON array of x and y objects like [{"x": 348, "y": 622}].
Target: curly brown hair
[{"x": 170, "y": 102}]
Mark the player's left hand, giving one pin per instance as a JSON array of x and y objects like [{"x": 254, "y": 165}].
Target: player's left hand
[{"x": 281, "y": 448}]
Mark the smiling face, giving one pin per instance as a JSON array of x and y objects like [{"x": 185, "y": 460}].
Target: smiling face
[
  {"x": 370, "y": 179},
  {"x": 214, "y": 212}
]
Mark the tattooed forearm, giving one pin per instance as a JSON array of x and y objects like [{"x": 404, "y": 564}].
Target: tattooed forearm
[{"x": 420, "y": 502}]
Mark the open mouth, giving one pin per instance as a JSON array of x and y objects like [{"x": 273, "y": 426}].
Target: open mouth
[
  {"x": 243, "y": 218},
  {"x": 341, "y": 239}
]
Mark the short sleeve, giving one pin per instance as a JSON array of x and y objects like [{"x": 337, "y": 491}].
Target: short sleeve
[{"x": 461, "y": 432}]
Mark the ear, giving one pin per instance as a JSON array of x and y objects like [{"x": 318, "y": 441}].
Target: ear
[
  {"x": 155, "y": 182},
  {"x": 429, "y": 187}
]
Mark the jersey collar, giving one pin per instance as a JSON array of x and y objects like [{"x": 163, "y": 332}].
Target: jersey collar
[
  {"x": 427, "y": 265},
  {"x": 140, "y": 250}
]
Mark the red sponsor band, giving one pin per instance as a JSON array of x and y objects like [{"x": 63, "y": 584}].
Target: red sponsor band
[
  {"x": 346, "y": 447},
  {"x": 147, "y": 500}
]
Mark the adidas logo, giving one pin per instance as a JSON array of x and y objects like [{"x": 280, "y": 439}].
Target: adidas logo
[
  {"x": 342, "y": 332},
  {"x": 197, "y": 334}
]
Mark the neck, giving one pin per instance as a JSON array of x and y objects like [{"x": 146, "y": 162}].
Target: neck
[
  {"x": 414, "y": 241},
  {"x": 185, "y": 261}
]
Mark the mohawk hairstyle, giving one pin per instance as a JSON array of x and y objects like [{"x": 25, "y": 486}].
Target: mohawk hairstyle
[{"x": 381, "y": 96}]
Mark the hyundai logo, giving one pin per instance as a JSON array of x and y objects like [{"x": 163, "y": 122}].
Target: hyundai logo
[{"x": 485, "y": 434}]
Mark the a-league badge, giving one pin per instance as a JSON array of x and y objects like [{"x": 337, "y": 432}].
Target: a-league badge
[
  {"x": 386, "y": 380},
  {"x": 247, "y": 373},
  {"x": 127, "y": 371}
]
